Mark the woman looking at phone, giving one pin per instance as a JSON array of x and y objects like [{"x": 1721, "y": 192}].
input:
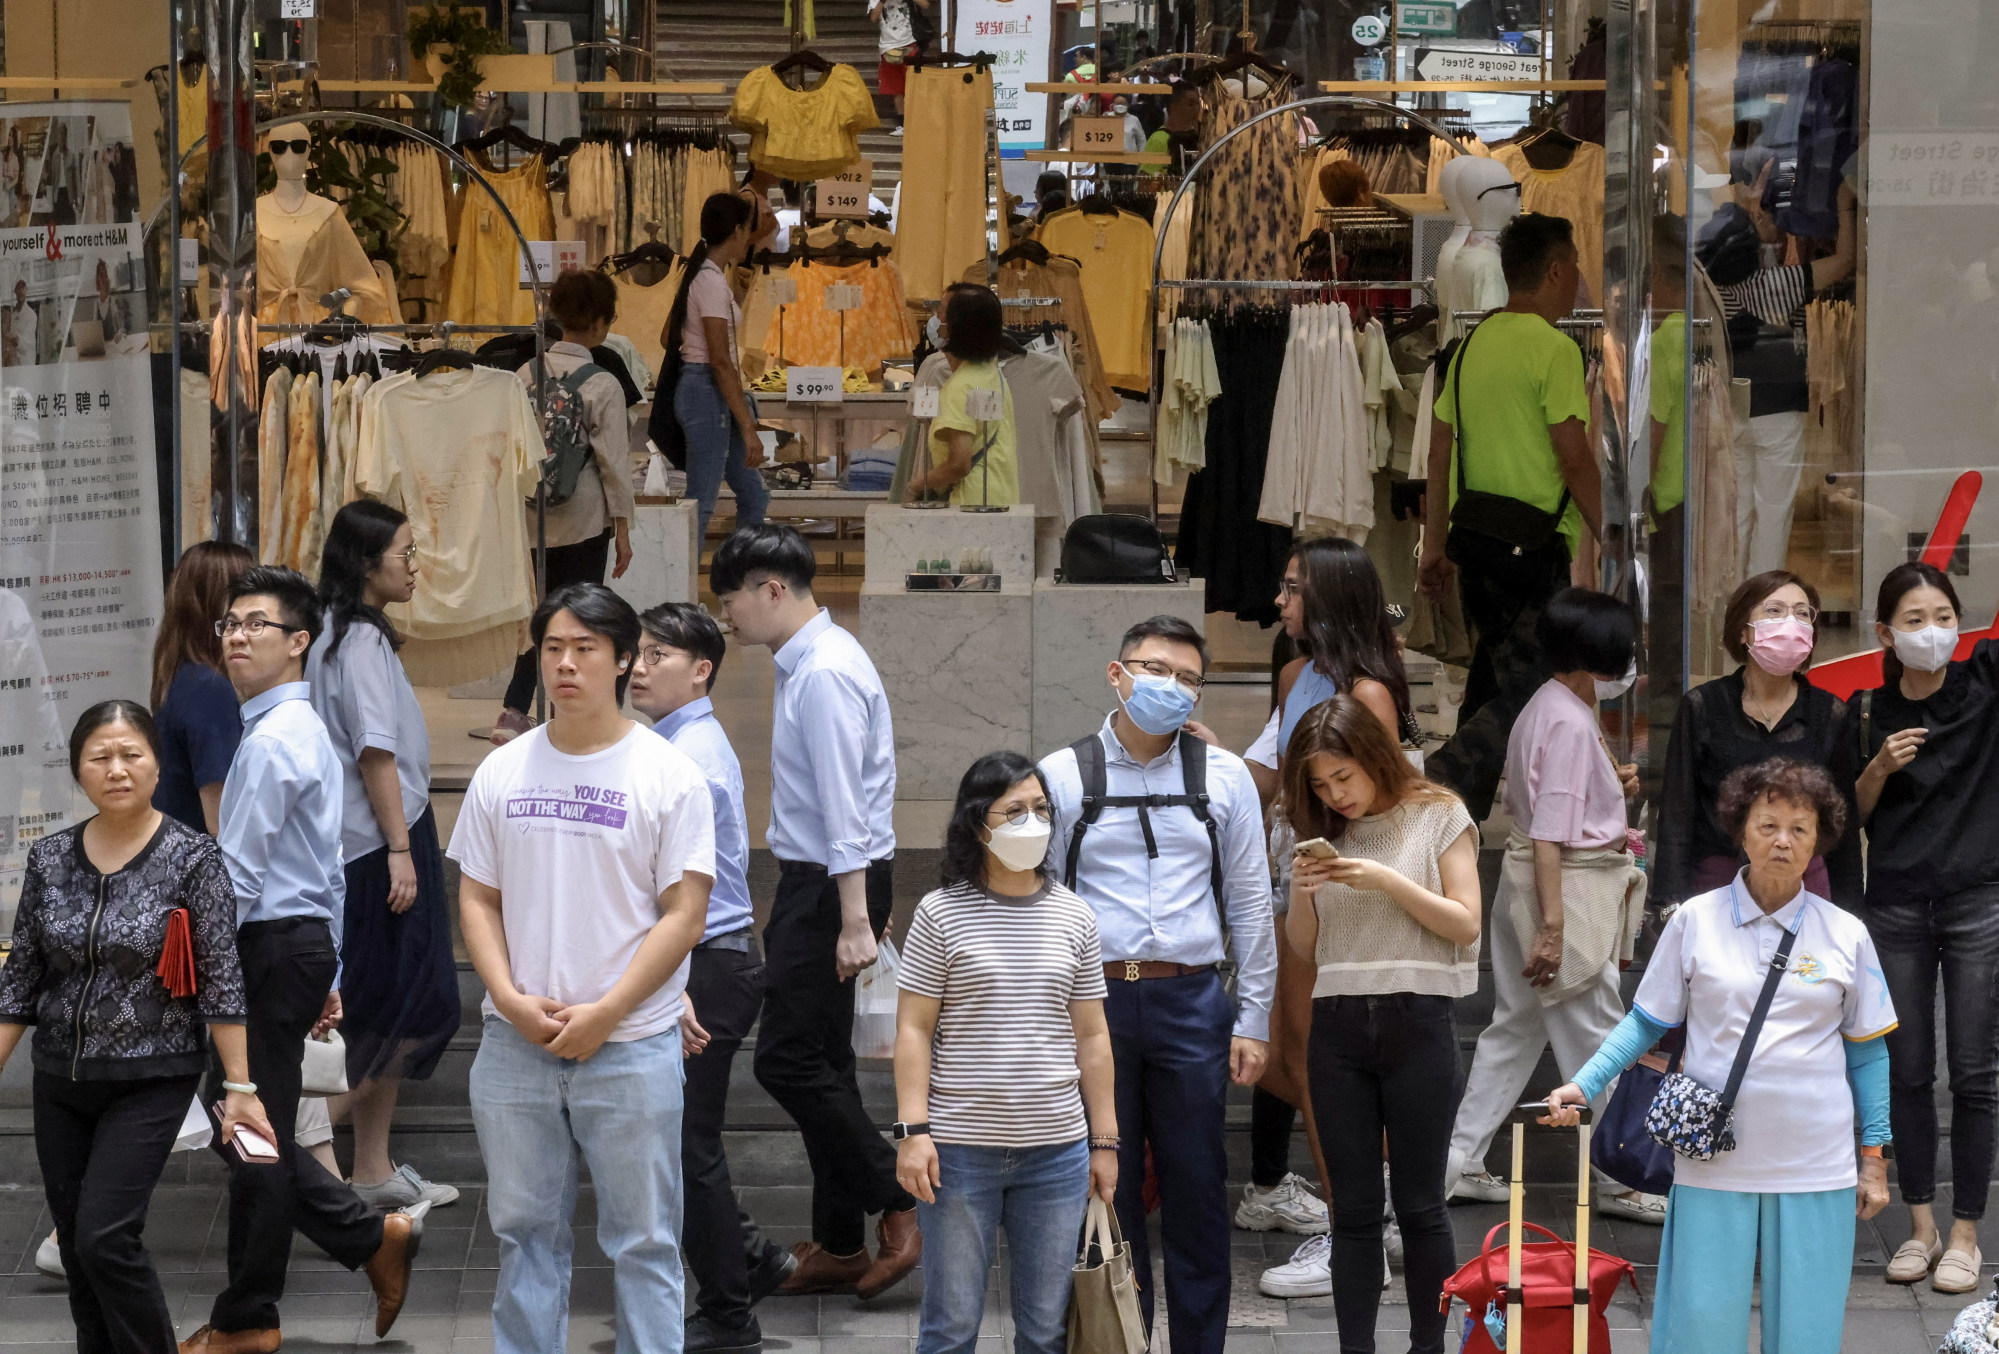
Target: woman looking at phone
[{"x": 1392, "y": 924}]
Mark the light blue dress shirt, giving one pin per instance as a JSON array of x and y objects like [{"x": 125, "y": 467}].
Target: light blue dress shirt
[
  {"x": 280, "y": 819},
  {"x": 1162, "y": 908},
  {"x": 832, "y": 753},
  {"x": 366, "y": 701},
  {"x": 694, "y": 729}
]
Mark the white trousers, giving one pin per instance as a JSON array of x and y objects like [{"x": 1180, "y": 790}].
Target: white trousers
[
  {"x": 1511, "y": 1045},
  {"x": 1769, "y": 457}
]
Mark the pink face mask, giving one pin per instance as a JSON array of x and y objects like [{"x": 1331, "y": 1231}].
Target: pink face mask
[{"x": 1781, "y": 646}]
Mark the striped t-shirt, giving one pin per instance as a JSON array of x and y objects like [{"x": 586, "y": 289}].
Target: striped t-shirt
[{"x": 1003, "y": 1056}]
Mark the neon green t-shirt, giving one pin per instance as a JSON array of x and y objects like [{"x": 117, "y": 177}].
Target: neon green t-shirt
[
  {"x": 1669, "y": 406},
  {"x": 1522, "y": 378},
  {"x": 995, "y": 477}
]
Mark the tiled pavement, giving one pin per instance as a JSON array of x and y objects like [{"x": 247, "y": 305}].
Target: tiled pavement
[{"x": 329, "y": 1311}]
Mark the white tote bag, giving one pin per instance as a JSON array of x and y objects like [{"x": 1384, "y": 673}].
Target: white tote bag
[{"x": 874, "y": 1005}]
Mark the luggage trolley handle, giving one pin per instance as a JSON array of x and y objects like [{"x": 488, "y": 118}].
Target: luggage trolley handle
[{"x": 1516, "y": 1203}]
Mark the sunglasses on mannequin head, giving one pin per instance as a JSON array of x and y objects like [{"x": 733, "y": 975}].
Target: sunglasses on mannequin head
[{"x": 299, "y": 147}]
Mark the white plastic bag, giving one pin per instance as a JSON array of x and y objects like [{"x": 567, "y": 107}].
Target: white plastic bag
[
  {"x": 656, "y": 469},
  {"x": 874, "y": 1005},
  {"x": 195, "y": 1130}
]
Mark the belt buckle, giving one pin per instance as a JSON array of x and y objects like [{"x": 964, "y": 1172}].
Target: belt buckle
[{"x": 1131, "y": 970}]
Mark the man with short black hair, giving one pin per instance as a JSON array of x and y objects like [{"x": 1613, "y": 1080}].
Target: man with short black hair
[
  {"x": 736, "y": 1266},
  {"x": 1512, "y": 484},
  {"x": 832, "y": 829},
  {"x": 279, "y": 832},
  {"x": 1162, "y": 834},
  {"x": 587, "y": 851}
]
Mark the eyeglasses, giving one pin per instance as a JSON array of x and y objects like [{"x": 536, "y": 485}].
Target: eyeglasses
[
  {"x": 253, "y": 627},
  {"x": 1153, "y": 668},
  {"x": 406, "y": 556},
  {"x": 652, "y": 655},
  {"x": 1777, "y": 611},
  {"x": 1290, "y": 587},
  {"x": 1040, "y": 813},
  {"x": 299, "y": 147}
]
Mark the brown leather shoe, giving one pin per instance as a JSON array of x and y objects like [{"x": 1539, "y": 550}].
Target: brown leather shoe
[
  {"x": 209, "y": 1340},
  {"x": 901, "y": 1246},
  {"x": 389, "y": 1268},
  {"x": 821, "y": 1271}
]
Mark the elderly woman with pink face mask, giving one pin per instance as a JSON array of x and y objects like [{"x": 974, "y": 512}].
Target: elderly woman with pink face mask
[{"x": 1763, "y": 709}]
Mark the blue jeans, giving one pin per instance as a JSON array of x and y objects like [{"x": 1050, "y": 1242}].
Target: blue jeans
[
  {"x": 1038, "y": 1194},
  {"x": 621, "y": 1107},
  {"x": 715, "y": 450}
]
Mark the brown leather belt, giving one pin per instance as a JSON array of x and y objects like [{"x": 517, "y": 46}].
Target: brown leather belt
[{"x": 1131, "y": 970}]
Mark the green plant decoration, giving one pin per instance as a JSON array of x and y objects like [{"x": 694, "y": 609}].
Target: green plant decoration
[
  {"x": 452, "y": 25},
  {"x": 360, "y": 189}
]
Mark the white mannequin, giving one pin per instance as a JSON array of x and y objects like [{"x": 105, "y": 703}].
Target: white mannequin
[
  {"x": 1473, "y": 280},
  {"x": 294, "y": 264},
  {"x": 1448, "y": 180}
]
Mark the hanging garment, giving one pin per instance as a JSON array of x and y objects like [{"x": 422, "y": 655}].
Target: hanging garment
[
  {"x": 486, "y": 275},
  {"x": 196, "y": 469},
  {"x": 1828, "y": 138},
  {"x": 706, "y": 173},
  {"x": 299, "y": 501},
  {"x": 808, "y": 334},
  {"x": 1221, "y": 539},
  {"x": 1056, "y": 468},
  {"x": 643, "y": 312},
  {"x": 1190, "y": 385},
  {"x": 423, "y": 251},
  {"x": 1318, "y": 476},
  {"x": 305, "y": 254},
  {"x": 1469, "y": 280},
  {"x": 1173, "y": 256},
  {"x": 274, "y": 438},
  {"x": 940, "y": 220},
  {"x": 806, "y": 133},
  {"x": 1061, "y": 279},
  {"x": 1379, "y": 384},
  {"x": 1574, "y": 191},
  {"x": 1115, "y": 253},
  {"x": 1441, "y": 154},
  {"x": 1246, "y": 209},
  {"x": 337, "y": 475}
]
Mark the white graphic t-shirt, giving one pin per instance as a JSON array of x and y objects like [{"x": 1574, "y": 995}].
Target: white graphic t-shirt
[{"x": 580, "y": 849}]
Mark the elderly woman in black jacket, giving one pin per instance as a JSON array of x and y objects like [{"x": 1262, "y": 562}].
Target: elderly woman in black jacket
[{"x": 124, "y": 948}]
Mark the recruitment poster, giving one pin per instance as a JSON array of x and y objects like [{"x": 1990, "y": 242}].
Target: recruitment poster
[
  {"x": 79, "y": 522},
  {"x": 1017, "y": 33}
]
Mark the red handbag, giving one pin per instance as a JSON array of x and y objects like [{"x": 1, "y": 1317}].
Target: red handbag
[{"x": 1547, "y": 1276}]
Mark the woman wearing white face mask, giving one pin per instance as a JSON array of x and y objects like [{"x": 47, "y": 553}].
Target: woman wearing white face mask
[
  {"x": 1763, "y": 709},
  {"x": 1004, "y": 1086},
  {"x": 1929, "y": 797}
]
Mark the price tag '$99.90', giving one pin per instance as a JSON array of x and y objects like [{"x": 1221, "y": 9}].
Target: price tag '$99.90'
[{"x": 813, "y": 385}]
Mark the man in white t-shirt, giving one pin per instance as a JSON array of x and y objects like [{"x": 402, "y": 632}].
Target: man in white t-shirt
[{"x": 587, "y": 848}]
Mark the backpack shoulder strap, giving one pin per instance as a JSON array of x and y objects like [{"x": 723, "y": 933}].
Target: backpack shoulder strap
[
  {"x": 1194, "y": 781},
  {"x": 1090, "y": 767},
  {"x": 575, "y": 380}
]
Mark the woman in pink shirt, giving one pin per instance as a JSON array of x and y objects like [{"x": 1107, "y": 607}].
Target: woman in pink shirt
[{"x": 1569, "y": 893}]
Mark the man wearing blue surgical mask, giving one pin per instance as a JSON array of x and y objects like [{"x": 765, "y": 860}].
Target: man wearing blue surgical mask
[{"x": 1162, "y": 834}]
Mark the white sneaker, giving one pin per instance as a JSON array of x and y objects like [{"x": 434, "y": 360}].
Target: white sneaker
[
  {"x": 1391, "y": 1239},
  {"x": 48, "y": 1258},
  {"x": 1482, "y": 1187},
  {"x": 1307, "y": 1274},
  {"x": 1634, "y": 1207},
  {"x": 1287, "y": 1206}
]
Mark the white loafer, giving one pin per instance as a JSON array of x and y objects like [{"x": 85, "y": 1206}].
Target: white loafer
[
  {"x": 1913, "y": 1261},
  {"x": 1957, "y": 1272}
]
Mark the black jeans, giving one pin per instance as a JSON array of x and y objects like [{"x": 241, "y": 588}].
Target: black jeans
[
  {"x": 1503, "y": 594},
  {"x": 288, "y": 969},
  {"x": 805, "y": 1053},
  {"x": 1270, "y": 1123},
  {"x": 1960, "y": 935},
  {"x": 583, "y": 562},
  {"x": 1386, "y": 1064},
  {"x": 102, "y": 1146},
  {"x": 721, "y": 1240}
]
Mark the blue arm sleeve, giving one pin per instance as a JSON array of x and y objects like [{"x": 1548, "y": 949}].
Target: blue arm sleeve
[
  {"x": 1625, "y": 1046},
  {"x": 1867, "y": 1074}
]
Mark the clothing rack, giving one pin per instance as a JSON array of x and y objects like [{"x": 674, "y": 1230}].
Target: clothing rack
[{"x": 1428, "y": 284}]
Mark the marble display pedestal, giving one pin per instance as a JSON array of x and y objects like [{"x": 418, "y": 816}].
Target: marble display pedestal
[
  {"x": 1076, "y": 632},
  {"x": 898, "y": 537},
  {"x": 958, "y": 671}
]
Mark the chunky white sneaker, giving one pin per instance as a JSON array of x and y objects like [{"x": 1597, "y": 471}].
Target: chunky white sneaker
[
  {"x": 1483, "y": 1187},
  {"x": 1307, "y": 1274},
  {"x": 1287, "y": 1206},
  {"x": 48, "y": 1258}
]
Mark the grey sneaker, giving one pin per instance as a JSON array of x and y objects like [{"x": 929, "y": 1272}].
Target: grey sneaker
[{"x": 403, "y": 1190}]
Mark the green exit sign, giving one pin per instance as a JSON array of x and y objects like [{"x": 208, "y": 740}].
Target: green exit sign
[{"x": 1427, "y": 17}]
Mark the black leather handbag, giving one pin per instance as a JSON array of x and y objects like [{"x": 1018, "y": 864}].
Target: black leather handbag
[
  {"x": 1511, "y": 521},
  {"x": 1114, "y": 547}
]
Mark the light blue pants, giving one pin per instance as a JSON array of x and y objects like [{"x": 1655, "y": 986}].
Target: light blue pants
[
  {"x": 1038, "y": 1195},
  {"x": 621, "y": 1108},
  {"x": 715, "y": 451},
  {"x": 1707, "y": 1270}
]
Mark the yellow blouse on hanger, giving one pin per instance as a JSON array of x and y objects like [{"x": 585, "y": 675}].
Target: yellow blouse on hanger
[
  {"x": 813, "y": 336},
  {"x": 804, "y": 133},
  {"x": 486, "y": 275}
]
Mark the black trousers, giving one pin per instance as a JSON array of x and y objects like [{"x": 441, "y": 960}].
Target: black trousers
[
  {"x": 1503, "y": 594},
  {"x": 721, "y": 1240},
  {"x": 102, "y": 1146},
  {"x": 805, "y": 1053},
  {"x": 583, "y": 562},
  {"x": 1270, "y": 1123},
  {"x": 288, "y": 969},
  {"x": 1386, "y": 1064}
]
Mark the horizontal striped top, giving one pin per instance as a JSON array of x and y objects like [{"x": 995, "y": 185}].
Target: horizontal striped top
[
  {"x": 1775, "y": 296},
  {"x": 1003, "y": 1056}
]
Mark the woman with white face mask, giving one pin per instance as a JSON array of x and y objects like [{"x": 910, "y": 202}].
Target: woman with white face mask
[
  {"x": 1928, "y": 738},
  {"x": 1004, "y": 1087}
]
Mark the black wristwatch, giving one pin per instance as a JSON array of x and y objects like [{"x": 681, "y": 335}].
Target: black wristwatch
[{"x": 899, "y": 1131}]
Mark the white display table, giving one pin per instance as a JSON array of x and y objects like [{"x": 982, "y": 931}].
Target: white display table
[
  {"x": 898, "y": 537},
  {"x": 666, "y": 560},
  {"x": 1076, "y": 632}
]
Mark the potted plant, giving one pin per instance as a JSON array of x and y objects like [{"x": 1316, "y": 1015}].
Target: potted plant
[{"x": 449, "y": 39}]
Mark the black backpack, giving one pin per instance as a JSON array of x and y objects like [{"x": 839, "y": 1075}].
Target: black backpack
[
  {"x": 1194, "y": 783},
  {"x": 1114, "y": 547}
]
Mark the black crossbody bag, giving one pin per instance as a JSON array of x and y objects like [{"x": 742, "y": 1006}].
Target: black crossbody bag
[{"x": 1508, "y": 520}]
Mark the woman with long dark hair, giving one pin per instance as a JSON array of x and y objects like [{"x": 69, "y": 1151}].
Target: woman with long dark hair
[
  {"x": 1928, "y": 740},
  {"x": 1003, "y": 1081},
  {"x": 399, "y": 984},
  {"x": 194, "y": 705},
  {"x": 701, "y": 380}
]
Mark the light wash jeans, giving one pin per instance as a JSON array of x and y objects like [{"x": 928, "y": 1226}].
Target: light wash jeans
[
  {"x": 1038, "y": 1194},
  {"x": 715, "y": 450},
  {"x": 621, "y": 1107}
]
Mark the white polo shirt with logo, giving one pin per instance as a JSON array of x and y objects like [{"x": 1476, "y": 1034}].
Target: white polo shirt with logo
[{"x": 1794, "y": 1120}]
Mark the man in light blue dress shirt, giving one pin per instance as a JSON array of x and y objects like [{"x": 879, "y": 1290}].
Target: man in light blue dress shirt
[
  {"x": 734, "y": 1264},
  {"x": 832, "y": 829},
  {"x": 1149, "y": 872},
  {"x": 280, "y": 838}
]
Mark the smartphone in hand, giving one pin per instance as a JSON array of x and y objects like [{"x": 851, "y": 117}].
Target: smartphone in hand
[{"x": 1318, "y": 847}]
